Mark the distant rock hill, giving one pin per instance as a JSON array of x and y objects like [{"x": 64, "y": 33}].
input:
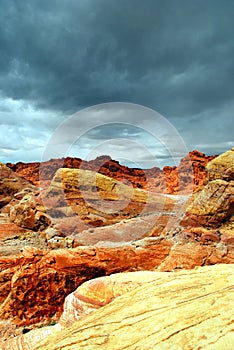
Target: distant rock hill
[{"x": 187, "y": 177}]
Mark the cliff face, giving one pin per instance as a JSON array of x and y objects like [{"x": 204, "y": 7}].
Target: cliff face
[{"x": 187, "y": 177}]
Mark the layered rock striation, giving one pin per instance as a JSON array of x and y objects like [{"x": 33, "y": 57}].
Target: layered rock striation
[
  {"x": 34, "y": 283},
  {"x": 213, "y": 206},
  {"x": 144, "y": 310},
  {"x": 106, "y": 227},
  {"x": 187, "y": 177}
]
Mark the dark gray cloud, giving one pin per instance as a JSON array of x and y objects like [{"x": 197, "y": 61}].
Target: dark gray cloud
[{"x": 57, "y": 57}]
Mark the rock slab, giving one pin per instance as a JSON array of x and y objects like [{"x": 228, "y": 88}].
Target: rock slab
[{"x": 186, "y": 310}]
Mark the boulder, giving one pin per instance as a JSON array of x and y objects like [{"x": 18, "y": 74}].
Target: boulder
[
  {"x": 26, "y": 214},
  {"x": 90, "y": 200},
  {"x": 222, "y": 167},
  {"x": 213, "y": 205},
  {"x": 10, "y": 184}
]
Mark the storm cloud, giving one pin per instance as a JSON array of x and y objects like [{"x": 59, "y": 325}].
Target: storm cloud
[{"x": 58, "y": 57}]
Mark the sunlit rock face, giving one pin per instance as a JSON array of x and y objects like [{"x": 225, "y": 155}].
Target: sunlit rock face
[
  {"x": 213, "y": 206},
  {"x": 146, "y": 310}
]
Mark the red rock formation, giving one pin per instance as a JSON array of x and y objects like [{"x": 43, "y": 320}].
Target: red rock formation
[
  {"x": 10, "y": 184},
  {"x": 188, "y": 176},
  {"x": 144, "y": 310},
  {"x": 34, "y": 283}
]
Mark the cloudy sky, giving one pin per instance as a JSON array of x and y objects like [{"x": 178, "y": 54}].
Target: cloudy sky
[{"x": 59, "y": 57}]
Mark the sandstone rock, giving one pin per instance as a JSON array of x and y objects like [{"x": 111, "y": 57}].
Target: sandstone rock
[
  {"x": 27, "y": 341},
  {"x": 222, "y": 167},
  {"x": 125, "y": 231},
  {"x": 35, "y": 282},
  {"x": 10, "y": 184},
  {"x": 189, "y": 175},
  {"x": 91, "y": 200},
  {"x": 99, "y": 292},
  {"x": 183, "y": 310},
  {"x": 187, "y": 255},
  {"x": 13, "y": 237},
  {"x": 58, "y": 242},
  {"x": 213, "y": 204},
  {"x": 41, "y": 280},
  {"x": 26, "y": 214}
]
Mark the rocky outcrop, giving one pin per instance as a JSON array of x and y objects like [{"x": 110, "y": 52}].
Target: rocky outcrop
[
  {"x": 213, "y": 205},
  {"x": 85, "y": 200},
  {"x": 34, "y": 283},
  {"x": 99, "y": 292},
  {"x": 145, "y": 310},
  {"x": 11, "y": 184},
  {"x": 28, "y": 213},
  {"x": 187, "y": 177},
  {"x": 222, "y": 167}
]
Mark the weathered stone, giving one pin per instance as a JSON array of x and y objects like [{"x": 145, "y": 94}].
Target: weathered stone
[
  {"x": 99, "y": 292},
  {"x": 26, "y": 214},
  {"x": 41, "y": 280},
  {"x": 183, "y": 310},
  {"x": 92, "y": 200},
  {"x": 222, "y": 167},
  {"x": 10, "y": 184},
  {"x": 187, "y": 255},
  {"x": 213, "y": 204},
  {"x": 188, "y": 176}
]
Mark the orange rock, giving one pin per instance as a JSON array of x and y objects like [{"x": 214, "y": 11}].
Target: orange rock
[
  {"x": 145, "y": 310},
  {"x": 41, "y": 280},
  {"x": 10, "y": 184},
  {"x": 188, "y": 176}
]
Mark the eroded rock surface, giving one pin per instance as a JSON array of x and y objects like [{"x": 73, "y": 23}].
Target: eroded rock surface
[
  {"x": 222, "y": 167},
  {"x": 188, "y": 176},
  {"x": 81, "y": 199},
  {"x": 34, "y": 283},
  {"x": 10, "y": 184},
  {"x": 144, "y": 310},
  {"x": 212, "y": 208}
]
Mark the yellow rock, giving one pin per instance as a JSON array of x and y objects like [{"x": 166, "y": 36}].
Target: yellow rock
[
  {"x": 222, "y": 167},
  {"x": 186, "y": 310}
]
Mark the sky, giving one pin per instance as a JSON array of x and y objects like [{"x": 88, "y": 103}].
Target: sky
[{"x": 142, "y": 81}]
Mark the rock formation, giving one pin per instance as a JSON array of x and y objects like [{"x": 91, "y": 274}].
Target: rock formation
[
  {"x": 10, "y": 184},
  {"x": 97, "y": 200},
  {"x": 144, "y": 310},
  {"x": 222, "y": 167},
  {"x": 213, "y": 206},
  {"x": 79, "y": 200},
  {"x": 106, "y": 226},
  {"x": 188, "y": 176},
  {"x": 34, "y": 283}
]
